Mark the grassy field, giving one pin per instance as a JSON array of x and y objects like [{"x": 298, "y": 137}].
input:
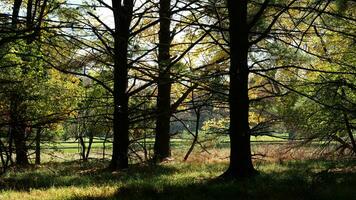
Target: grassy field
[
  {"x": 98, "y": 143},
  {"x": 297, "y": 176},
  {"x": 69, "y": 150}
]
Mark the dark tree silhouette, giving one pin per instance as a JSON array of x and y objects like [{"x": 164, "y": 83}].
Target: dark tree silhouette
[
  {"x": 122, "y": 18},
  {"x": 162, "y": 146}
]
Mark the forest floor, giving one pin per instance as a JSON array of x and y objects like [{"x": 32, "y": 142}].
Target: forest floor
[{"x": 281, "y": 177}]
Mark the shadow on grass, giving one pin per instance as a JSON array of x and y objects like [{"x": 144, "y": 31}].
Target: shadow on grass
[
  {"x": 333, "y": 180},
  {"x": 76, "y": 173},
  {"x": 308, "y": 179},
  {"x": 263, "y": 187}
]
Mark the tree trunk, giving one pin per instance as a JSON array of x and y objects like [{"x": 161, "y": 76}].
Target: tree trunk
[
  {"x": 82, "y": 147},
  {"x": 20, "y": 145},
  {"x": 162, "y": 145},
  {"x": 29, "y": 14},
  {"x": 104, "y": 144},
  {"x": 3, "y": 160},
  {"x": 349, "y": 132},
  {"x": 195, "y": 139},
  {"x": 348, "y": 126},
  {"x": 38, "y": 147},
  {"x": 9, "y": 160},
  {"x": 239, "y": 130},
  {"x": 18, "y": 132},
  {"x": 18, "y": 125},
  {"x": 15, "y": 13},
  {"x": 122, "y": 18},
  {"x": 89, "y": 146}
]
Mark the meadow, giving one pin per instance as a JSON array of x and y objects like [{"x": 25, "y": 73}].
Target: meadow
[{"x": 285, "y": 173}]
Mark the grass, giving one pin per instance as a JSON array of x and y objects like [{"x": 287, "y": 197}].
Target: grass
[
  {"x": 72, "y": 144},
  {"x": 287, "y": 178},
  {"x": 69, "y": 150}
]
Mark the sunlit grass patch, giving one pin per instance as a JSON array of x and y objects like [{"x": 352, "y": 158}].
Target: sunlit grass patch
[
  {"x": 195, "y": 179},
  {"x": 60, "y": 193}
]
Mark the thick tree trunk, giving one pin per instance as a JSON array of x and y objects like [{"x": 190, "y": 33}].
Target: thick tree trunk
[
  {"x": 162, "y": 144},
  {"x": 239, "y": 131},
  {"x": 29, "y": 14},
  {"x": 20, "y": 145},
  {"x": 15, "y": 13},
  {"x": 122, "y": 18},
  {"x": 18, "y": 126},
  {"x": 18, "y": 132}
]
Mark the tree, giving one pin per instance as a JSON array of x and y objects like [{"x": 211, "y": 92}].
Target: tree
[
  {"x": 316, "y": 76},
  {"x": 122, "y": 18},
  {"x": 239, "y": 131},
  {"x": 18, "y": 108},
  {"x": 161, "y": 146},
  {"x": 29, "y": 79}
]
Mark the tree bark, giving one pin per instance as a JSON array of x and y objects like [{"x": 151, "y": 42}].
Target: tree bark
[
  {"x": 3, "y": 160},
  {"x": 18, "y": 131},
  {"x": 82, "y": 147},
  {"x": 162, "y": 137},
  {"x": 38, "y": 147},
  {"x": 122, "y": 18},
  {"x": 9, "y": 160},
  {"x": 15, "y": 13},
  {"x": 20, "y": 145},
  {"x": 239, "y": 130}
]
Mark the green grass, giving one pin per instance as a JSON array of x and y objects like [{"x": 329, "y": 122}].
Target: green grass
[
  {"x": 70, "y": 149},
  {"x": 305, "y": 179},
  {"x": 70, "y": 145}
]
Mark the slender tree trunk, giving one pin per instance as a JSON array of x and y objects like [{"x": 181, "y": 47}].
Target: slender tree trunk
[
  {"x": 239, "y": 131},
  {"x": 82, "y": 147},
  {"x": 3, "y": 161},
  {"x": 104, "y": 144},
  {"x": 349, "y": 131},
  {"x": 162, "y": 144},
  {"x": 38, "y": 147},
  {"x": 9, "y": 159},
  {"x": 348, "y": 126},
  {"x": 195, "y": 140},
  {"x": 89, "y": 146},
  {"x": 122, "y": 17},
  {"x": 145, "y": 153}
]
